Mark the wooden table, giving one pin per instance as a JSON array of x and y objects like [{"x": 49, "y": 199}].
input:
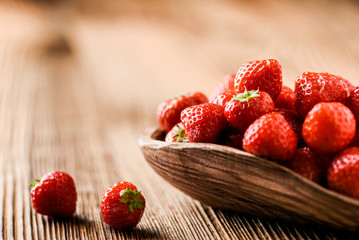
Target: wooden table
[{"x": 79, "y": 81}]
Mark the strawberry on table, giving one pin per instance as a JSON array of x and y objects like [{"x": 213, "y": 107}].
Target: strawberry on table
[
  {"x": 204, "y": 122},
  {"x": 177, "y": 134},
  {"x": 122, "y": 206},
  {"x": 270, "y": 136},
  {"x": 54, "y": 195},
  {"x": 262, "y": 75},
  {"x": 329, "y": 127},
  {"x": 286, "y": 99},
  {"x": 246, "y": 107},
  {"x": 309, "y": 164},
  {"x": 312, "y": 88},
  {"x": 343, "y": 173},
  {"x": 169, "y": 112}
]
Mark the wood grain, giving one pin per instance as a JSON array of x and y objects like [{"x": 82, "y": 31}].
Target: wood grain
[
  {"x": 227, "y": 178},
  {"x": 80, "y": 80}
]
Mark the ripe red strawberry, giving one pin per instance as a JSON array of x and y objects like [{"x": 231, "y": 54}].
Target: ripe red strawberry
[
  {"x": 54, "y": 195},
  {"x": 246, "y": 107},
  {"x": 312, "y": 88},
  {"x": 286, "y": 99},
  {"x": 226, "y": 85},
  {"x": 329, "y": 127},
  {"x": 169, "y": 112},
  {"x": 265, "y": 75},
  {"x": 294, "y": 122},
  {"x": 203, "y": 123},
  {"x": 349, "y": 85},
  {"x": 122, "y": 206},
  {"x": 270, "y": 136},
  {"x": 177, "y": 134},
  {"x": 309, "y": 164},
  {"x": 222, "y": 98},
  {"x": 343, "y": 173},
  {"x": 352, "y": 103}
]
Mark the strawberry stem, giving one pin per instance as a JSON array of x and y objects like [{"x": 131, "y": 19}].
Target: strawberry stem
[
  {"x": 34, "y": 184},
  {"x": 181, "y": 135},
  {"x": 132, "y": 198},
  {"x": 246, "y": 95}
]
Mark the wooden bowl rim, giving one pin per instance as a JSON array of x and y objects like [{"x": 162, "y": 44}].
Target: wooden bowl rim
[{"x": 149, "y": 138}]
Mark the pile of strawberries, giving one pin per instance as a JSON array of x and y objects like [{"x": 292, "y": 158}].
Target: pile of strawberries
[{"x": 311, "y": 130}]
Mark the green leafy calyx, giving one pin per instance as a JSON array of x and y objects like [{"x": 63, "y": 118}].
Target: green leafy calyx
[
  {"x": 132, "y": 198},
  {"x": 181, "y": 135},
  {"x": 246, "y": 95},
  {"x": 34, "y": 184}
]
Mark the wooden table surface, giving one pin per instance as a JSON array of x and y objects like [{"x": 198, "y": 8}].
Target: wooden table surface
[{"x": 80, "y": 81}]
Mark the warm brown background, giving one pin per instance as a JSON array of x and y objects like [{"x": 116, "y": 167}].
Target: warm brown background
[{"x": 79, "y": 81}]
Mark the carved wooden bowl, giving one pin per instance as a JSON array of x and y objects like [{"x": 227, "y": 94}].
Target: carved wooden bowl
[{"x": 227, "y": 178}]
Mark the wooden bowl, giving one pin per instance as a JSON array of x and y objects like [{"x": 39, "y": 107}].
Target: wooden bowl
[{"x": 227, "y": 178}]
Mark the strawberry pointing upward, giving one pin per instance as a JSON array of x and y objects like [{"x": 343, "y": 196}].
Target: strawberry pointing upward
[{"x": 265, "y": 75}]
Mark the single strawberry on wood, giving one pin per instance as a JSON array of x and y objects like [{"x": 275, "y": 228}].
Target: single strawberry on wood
[
  {"x": 122, "y": 206},
  {"x": 54, "y": 195}
]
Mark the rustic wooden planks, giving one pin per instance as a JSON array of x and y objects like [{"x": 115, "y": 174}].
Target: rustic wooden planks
[{"x": 79, "y": 83}]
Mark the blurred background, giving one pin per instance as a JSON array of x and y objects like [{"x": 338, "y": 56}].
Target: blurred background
[{"x": 129, "y": 51}]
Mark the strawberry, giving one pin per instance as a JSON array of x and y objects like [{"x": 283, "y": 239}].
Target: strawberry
[
  {"x": 169, "y": 112},
  {"x": 294, "y": 122},
  {"x": 265, "y": 75},
  {"x": 309, "y": 164},
  {"x": 343, "y": 173},
  {"x": 349, "y": 85},
  {"x": 226, "y": 85},
  {"x": 329, "y": 127},
  {"x": 177, "y": 134},
  {"x": 222, "y": 98},
  {"x": 246, "y": 107},
  {"x": 203, "y": 123},
  {"x": 312, "y": 88},
  {"x": 54, "y": 195},
  {"x": 122, "y": 206},
  {"x": 352, "y": 103},
  {"x": 286, "y": 99},
  {"x": 270, "y": 136}
]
